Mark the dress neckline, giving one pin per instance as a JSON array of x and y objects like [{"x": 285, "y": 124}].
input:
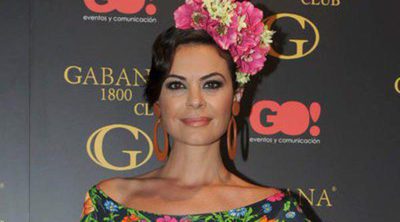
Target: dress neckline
[{"x": 264, "y": 200}]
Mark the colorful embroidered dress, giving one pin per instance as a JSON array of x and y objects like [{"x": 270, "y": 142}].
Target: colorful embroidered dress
[{"x": 281, "y": 207}]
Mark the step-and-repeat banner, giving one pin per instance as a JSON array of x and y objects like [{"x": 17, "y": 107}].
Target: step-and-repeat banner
[{"x": 322, "y": 119}]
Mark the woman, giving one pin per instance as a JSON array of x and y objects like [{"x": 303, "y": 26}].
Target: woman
[{"x": 198, "y": 72}]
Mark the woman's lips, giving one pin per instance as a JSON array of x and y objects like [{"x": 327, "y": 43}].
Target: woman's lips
[{"x": 198, "y": 121}]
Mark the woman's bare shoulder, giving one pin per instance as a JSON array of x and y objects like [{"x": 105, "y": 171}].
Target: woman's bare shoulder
[
  {"x": 120, "y": 186},
  {"x": 261, "y": 191},
  {"x": 111, "y": 186},
  {"x": 247, "y": 190}
]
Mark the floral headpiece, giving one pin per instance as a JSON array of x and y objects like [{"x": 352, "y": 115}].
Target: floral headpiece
[{"x": 236, "y": 26}]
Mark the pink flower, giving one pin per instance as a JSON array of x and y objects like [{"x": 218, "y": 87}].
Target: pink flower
[
  {"x": 252, "y": 60},
  {"x": 223, "y": 35},
  {"x": 166, "y": 219},
  {"x": 250, "y": 35},
  {"x": 200, "y": 19},
  {"x": 194, "y": 2},
  {"x": 276, "y": 197},
  {"x": 183, "y": 16},
  {"x": 191, "y": 15},
  {"x": 253, "y": 15},
  {"x": 241, "y": 35},
  {"x": 185, "y": 219}
]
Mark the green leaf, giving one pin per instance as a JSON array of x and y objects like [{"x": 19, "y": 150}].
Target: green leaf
[{"x": 286, "y": 206}]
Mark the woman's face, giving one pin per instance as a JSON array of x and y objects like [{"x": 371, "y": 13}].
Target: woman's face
[{"x": 196, "y": 97}]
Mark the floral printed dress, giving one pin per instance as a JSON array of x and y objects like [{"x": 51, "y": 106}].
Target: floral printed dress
[{"x": 281, "y": 207}]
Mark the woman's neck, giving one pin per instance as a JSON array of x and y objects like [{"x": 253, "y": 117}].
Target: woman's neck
[{"x": 193, "y": 166}]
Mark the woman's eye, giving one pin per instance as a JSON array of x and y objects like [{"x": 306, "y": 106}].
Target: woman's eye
[
  {"x": 208, "y": 85},
  {"x": 174, "y": 85},
  {"x": 213, "y": 84}
]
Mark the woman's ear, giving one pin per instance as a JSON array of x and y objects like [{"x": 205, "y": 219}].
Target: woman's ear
[
  {"x": 238, "y": 94},
  {"x": 156, "y": 109}
]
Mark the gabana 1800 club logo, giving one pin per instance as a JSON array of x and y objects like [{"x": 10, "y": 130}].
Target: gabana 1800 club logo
[{"x": 122, "y": 6}]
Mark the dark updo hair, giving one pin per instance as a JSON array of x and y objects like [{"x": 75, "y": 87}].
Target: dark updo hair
[{"x": 163, "y": 51}]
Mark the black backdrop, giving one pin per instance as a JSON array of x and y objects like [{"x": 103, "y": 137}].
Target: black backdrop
[{"x": 71, "y": 75}]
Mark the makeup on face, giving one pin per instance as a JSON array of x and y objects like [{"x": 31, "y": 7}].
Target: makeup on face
[{"x": 212, "y": 84}]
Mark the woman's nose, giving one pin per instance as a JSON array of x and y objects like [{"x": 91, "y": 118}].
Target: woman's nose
[{"x": 195, "y": 97}]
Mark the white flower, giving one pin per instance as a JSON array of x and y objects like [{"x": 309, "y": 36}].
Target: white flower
[
  {"x": 241, "y": 22},
  {"x": 221, "y": 10},
  {"x": 266, "y": 36},
  {"x": 242, "y": 77}
]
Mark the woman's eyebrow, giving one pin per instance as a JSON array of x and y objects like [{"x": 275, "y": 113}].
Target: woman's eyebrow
[{"x": 202, "y": 78}]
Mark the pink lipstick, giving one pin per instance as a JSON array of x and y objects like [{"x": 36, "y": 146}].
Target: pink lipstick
[{"x": 197, "y": 121}]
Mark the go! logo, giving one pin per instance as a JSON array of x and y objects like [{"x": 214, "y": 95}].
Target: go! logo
[
  {"x": 122, "y": 6},
  {"x": 291, "y": 118}
]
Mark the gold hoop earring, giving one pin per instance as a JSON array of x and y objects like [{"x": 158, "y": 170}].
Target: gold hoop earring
[
  {"x": 161, "y": 155},
  {"x": 231, "y": 146}
]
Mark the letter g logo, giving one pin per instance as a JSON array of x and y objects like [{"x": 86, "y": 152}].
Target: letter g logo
[
  {"x": 94, "y": 147},
  {"x": 397, "y": 85},
  {"x": 302, "y": 22}
]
